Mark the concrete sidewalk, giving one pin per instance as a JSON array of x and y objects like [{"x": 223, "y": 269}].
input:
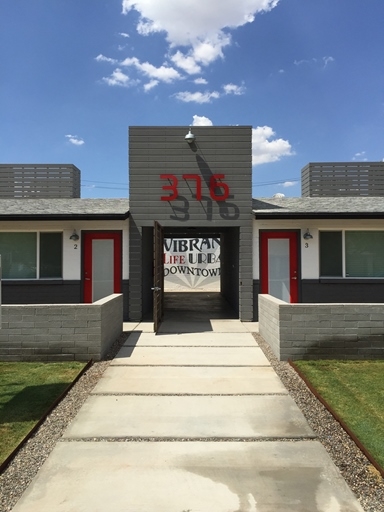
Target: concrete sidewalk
[{"x": 195, "y": 422}]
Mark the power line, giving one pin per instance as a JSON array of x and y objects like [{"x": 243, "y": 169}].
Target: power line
[
  {"x": 279, "y": 182},
  {"x": 106, "y": 182},
  {"x": 254, "y": 185}
]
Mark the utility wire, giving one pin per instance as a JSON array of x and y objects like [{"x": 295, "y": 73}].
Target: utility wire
[{"x": 254, "y": 185}]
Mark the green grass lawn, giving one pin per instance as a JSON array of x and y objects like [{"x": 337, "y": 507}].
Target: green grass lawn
[
  {"x": 355, "y": 391},
  {"x": 27, "y": 390}
]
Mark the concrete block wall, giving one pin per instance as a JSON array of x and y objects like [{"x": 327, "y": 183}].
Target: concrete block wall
[
  {"x": 111, "y": 313},
  {"x": 60, "y": 332},
  {"x": 269, "y": 321},
  {"x": 322, "y": 331}
]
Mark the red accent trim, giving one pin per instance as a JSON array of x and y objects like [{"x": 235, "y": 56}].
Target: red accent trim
[
  {"x": 87, "y": 273},
  {"x": 214, "y": 183},
  {"x": 197, "y": 178},
  {"x": 293, "y": 267},
  {"x": 116, "y": 236},
  {"x": 172, "y": 187},
  {"x": 293, "y": 261}
]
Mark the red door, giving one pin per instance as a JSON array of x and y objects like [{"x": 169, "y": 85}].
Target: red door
[
  {"x": 279, "y": 264},
  {"x": 102, "y": 264}
]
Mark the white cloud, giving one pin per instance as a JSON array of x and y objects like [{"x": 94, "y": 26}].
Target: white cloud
[
  {"x": 185, "y": 23},
  {"x": 265, "y": 150},
  {"x": 75, "y": 140},
  {"x": 186, "y": 62},
  {"x": 304, "y": 61},
  {"x": 202, "y": 26},
  {"x": 326, "y": 60},
  {"x": 207, "y": 97},
  {"x": 287, "y": 184},
  {"x": 196, "y": 34},
  {"x": 118, "y": 78},
  {"x": 238, "y": 90},
  {"x": 163, "y": 73},
  {"x": 102, "y": 58},
  {"x": 200, "y": 81},
  {"x": 197, "y": 97},
  {"x": 208, "y": 50},
  {"x": 360, "y": 156},
  {"x": 150, "y": 85},
  {"x": 201, "y": 121}
]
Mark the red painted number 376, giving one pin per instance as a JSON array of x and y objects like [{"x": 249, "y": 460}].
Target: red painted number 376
[{"x": 218, "y": 190}]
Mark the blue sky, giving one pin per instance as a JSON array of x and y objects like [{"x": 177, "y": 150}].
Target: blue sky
[{"x": 308, "y": 75}]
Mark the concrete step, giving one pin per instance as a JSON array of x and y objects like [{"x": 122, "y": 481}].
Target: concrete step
[
  {"x": 207, "y": 339},
  {"x": 191, "y": 356},
  {"x": 199, "y": 476},
  {"x": 258, "y": 416},
  {"x": 189, "y": 380}
]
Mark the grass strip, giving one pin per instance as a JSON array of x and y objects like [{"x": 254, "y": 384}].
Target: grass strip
[
  {"x": 355, "y": 391},
  {"x": 27, "y": 390}
]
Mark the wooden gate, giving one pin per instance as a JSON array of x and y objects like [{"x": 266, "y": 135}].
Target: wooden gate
[{"x": 158, "y": 276}]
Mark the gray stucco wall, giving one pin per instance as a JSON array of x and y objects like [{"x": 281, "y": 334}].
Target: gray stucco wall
[
  {"x": 155, "y": 151},
  {"x": 62, "y": 332},
  {"x": 322, "y": 331}
]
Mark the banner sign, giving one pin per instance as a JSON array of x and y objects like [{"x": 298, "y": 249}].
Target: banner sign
[{"x": 192, "y": 263}]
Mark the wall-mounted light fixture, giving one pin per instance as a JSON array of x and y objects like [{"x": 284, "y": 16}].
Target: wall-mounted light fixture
[
  {"x": 307, "y": 235},
  {"x": 190, "y": 138},
  {"x": 74, "y": 236}
]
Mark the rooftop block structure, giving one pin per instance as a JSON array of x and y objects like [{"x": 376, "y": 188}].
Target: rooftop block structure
[
  {"x": 338, "y": 179},
  {"x": 39, "y": 181}
]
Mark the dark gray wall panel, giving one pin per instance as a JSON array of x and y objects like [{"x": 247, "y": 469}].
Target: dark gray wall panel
[
  {"x": 163, "y": 150},
  {"x": 41, "y": 292},
  {"x": 218, "y": 150},
  {"x": 339, "y": 291},
  {"x": 135, "y": 272},
  {"x": 147, "y": 269},
  {"x": 256, "y": 291},
  {"x": 125, "y": 292},
  {"x": 230, "y": 267}
]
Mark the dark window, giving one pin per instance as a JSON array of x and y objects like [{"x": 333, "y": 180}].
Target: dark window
[
  {"x": 51, "y": 255},
  {"x": 364, "y": 253},
  {"x": 331, "y": 254},
  {"x": 18, "y": 255}
]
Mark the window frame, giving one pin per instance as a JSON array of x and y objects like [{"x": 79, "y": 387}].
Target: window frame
[
  {"x": 38, "y": 256},
  {"x": 343, "y": 254}
]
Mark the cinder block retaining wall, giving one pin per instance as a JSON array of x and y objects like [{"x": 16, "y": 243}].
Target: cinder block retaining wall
[
  {"x": 322, "y": 331},
  {"x": 60, "y": 332}
]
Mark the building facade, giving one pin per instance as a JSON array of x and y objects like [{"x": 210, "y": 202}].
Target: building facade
[{"x": 315, "y": 249}]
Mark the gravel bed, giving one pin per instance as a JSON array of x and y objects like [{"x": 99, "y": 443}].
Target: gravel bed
[
  {"x": 33, "y": 454},
  {"x": 363, "y": 478},
  {"x": 360, "y": 475}
]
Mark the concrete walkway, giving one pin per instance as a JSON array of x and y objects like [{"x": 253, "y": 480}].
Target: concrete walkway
[{"x": 194, "y": 422}]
